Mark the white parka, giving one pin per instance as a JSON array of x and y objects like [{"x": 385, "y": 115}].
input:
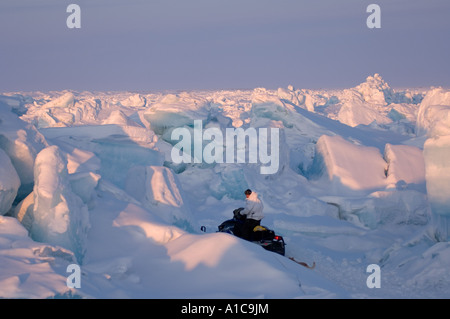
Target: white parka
[{"x": 253, "y": 207}]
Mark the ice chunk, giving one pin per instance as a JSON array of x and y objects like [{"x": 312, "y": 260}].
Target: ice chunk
[
  {"x": 79, "y": 161},
  {"x": 84, "y": 184},
  {"x": 356, "y": 110},
  {"x": 403, "y": 111},
  {"x": 407, "y": 207},
  {"x": 433, "y": 117},
  {"x": 24, "y": 211},
  {"x": 229, "y": 182},
  {"x": 16, "y": 102},
  {"x": 348, "y": 166},
  {"x": 273, "y": 110},
  {"x": 405, "y": 165},
  {"x": 159, "y": 190},
  {"x": 64, "y": 101},
  {"x": 119, "y": 118},
  {"x": 136, "y": 100},
  {"x": 117, "y": 156},
  {"x": 437, "y": 170},
  {"x": 64, "y": 110},
  {"x": 21, "y": 141},
  {"x": 160, "y": 121},
  {"x": 9, "y": 183},
  {"x": 59, "y": 215},
  {"x": 117, "y": 147},
  {"x": 384, "y": 208},
  {"x": 290, "y": 96},
  {"x": 366, "y": 103},
  {"x": 375, "y": 90},
  {"x": 176, "y": 111}
]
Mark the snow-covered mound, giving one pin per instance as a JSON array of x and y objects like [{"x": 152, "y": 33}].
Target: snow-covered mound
[
  {"x": 360, "y": 177},
  {"x": 30, "y": 269}
]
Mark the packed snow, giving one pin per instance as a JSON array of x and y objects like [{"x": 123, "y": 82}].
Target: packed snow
[{"x": 362, "y": 179}]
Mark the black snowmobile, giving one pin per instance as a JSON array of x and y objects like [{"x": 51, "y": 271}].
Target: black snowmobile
[{"x": 261, "y": 235}]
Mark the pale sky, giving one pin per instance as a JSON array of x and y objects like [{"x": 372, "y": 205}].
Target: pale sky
[{"x": 153, "y": 45}]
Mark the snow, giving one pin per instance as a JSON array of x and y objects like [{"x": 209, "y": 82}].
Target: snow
[
  {"x": 87, "y": 178},
  {"x": 30, "y": 269}
]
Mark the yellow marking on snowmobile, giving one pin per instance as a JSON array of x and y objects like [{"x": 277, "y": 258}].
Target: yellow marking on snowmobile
[{"x": 259, "y": 228}]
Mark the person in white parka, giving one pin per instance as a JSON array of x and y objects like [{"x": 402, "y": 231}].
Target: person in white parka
[{"x": 253, "y": 211}]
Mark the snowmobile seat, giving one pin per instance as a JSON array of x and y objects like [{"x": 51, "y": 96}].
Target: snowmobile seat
[{"x": 262, "y": 233}]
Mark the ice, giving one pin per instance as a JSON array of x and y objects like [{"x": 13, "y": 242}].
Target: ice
[
  {"x": 159, "y": 190},
  {"x": 356, "y": 110},
  {"x": 296, "y": 97},
  {"x": 21, "y": 142},
  {"x": 228, "y": 182},
  {"x": 433, "y": 122},
  {"x": 117, "y": 157},
  {"x": 62, "y": 110},
  {"x": 437, "y": 170},
  {"x": 166, "y": 113},
  {"x": 375, "y": 90},
  {"x": 347, "y": 167},
  {"x": 372, "y": 101},
  {"x": 366, "y": 103},
  {"x": 403, "y": 111},
  {"x": 66, "y": 100},
  {"x": 362, "y": 179},
  {"x": 59, "y": 215},
  {"x": 433, "y": 116},
  {"x": 16, "y": 102},
  {"x": 24, "y": 211},
  {"x": 9, "y": 183},
  {"x": 84, "y": 185},
  {"x": 405, "y": 166},
  {"x": 273, "y": 111},
  {"x": 116, "y": 148},
  {"x": 136, "y": 100},
  {"x": 119, "y": 118}
]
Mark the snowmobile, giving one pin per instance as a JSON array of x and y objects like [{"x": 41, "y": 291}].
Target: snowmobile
[{"x": 261, "y": 235}]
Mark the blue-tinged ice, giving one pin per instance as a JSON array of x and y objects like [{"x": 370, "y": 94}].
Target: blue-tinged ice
[{"x": 59, "y": 216}]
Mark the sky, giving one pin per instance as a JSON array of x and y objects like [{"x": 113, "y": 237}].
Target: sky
[{"x": 157, "y": 45}]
